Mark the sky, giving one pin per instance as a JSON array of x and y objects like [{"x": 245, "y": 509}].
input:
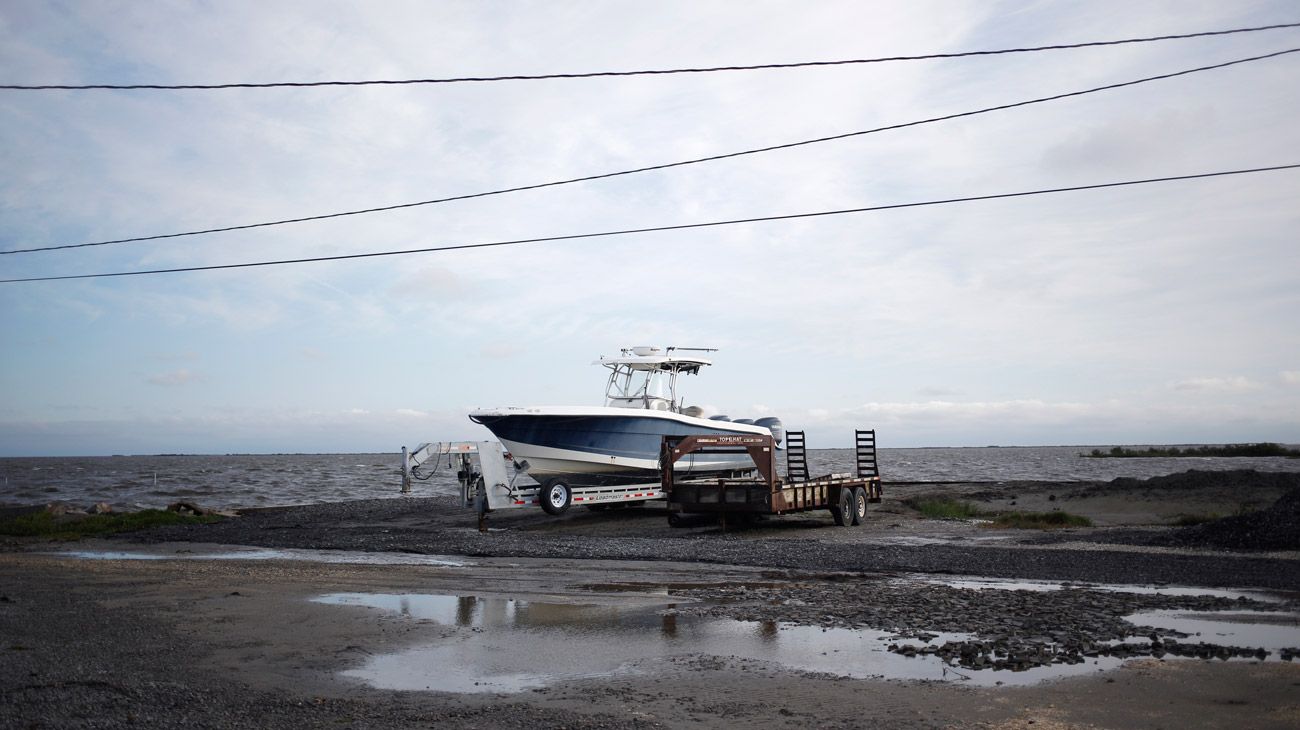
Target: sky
[{"x": 1165, "y": 313}]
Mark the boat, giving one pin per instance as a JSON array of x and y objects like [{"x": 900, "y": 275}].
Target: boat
[{"x": 619, "y": 442}]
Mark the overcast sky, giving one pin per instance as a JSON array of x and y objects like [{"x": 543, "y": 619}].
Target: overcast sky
[{"x": 1166, "y": 313}]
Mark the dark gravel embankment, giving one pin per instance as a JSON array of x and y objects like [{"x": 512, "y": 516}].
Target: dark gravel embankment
[
  {"x": 435, "y": 525},
  {"x": 1275, "y": 528}
]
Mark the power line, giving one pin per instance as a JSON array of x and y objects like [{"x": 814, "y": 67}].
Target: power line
[
  {"x": 652, "y": 72},
  {"x": 651, "y": 168},
  {"x": 656, "y": 229}
]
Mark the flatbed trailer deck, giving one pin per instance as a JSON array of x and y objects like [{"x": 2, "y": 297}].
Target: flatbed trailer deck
[{"x": 845, "y": 496}]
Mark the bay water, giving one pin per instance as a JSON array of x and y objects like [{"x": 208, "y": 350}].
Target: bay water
[{"x": 262, "y": 480}]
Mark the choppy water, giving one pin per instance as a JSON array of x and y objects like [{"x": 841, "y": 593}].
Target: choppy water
[{"x": 258, "y": 480}]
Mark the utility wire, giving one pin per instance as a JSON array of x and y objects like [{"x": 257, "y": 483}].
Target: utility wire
[
  {"x": 652, "y": 72},
  {"x": 665, "y": 166},
  {"x": 655, "y": 229}
]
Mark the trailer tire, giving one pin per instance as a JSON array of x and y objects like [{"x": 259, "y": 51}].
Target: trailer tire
[
  {"x": 859, "y": 505},
  {"x": 674, "y": 519},
  {"x": 843, "y": 510},
  {"x": 556, "y": 496}
]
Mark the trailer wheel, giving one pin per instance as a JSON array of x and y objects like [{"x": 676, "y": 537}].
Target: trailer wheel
[
  {"x": 556, "y": 496},
  {"x": 859, "y": 505},
  {"x": 674, "y": 519},
  {"x": 843, "y": 510}
]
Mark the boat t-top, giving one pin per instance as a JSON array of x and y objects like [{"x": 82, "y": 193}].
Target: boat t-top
[{"x": 619, "y": 442}]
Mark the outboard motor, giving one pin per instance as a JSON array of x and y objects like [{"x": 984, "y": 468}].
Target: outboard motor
[{"x": 773, "y": 424}]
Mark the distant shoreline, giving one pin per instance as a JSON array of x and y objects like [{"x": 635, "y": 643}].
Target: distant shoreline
[{"x": 1230, "y": 451}]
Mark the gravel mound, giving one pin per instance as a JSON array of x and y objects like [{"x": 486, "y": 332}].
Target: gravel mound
[
  {"x": 1243, "y": 480},
  {"x": 1275, "y": 528}
]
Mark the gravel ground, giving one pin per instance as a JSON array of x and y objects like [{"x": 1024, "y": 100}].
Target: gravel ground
[
  {"x": 436, "y": 526},
  {"x": 168, "y": 645},
  {"x": 1274, "y": 528},
  {"x": 1015, "y": 629},
  {"x": 76, "y": 658}
]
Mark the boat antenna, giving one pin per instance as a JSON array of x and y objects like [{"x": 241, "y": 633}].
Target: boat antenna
[{"x": 694, "y": 349}]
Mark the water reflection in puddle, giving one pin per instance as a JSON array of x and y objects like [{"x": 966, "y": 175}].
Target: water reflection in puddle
[
  {"x": 1154, "y": 590},
  {"x": 317, "y": 556},
  {"x": 1266, "y": 630},
  {"x": 509, "y": 645}
]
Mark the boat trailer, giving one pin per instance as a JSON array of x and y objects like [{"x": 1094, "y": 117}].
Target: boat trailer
[
  {"x": 845, "y": 496},
  {"x": 488, "y": 477},
  {"x": 487, "y": 474}
]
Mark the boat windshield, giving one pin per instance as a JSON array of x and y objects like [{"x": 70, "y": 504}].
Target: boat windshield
[
  {"x": 644, "y": 378},
  {"x": 652, "y": 387}
]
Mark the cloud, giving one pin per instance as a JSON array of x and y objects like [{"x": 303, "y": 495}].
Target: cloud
[
  {"x": 1132, "y": 141},
  {"x": 1026, "y": 410},
  {"x": 237, "y": 430},
  {"x": 1290, "y": 377},
  {"x": 938, "y": 391},
  {"x": 1040, "y": 422},
  {"x": 501, "y": 350},
  {"x": 1235, "y": 384},
  {"x": 987, "y": 314},
  {"x": 174, "y": 378},
  {"x": 431, "y": 282}
]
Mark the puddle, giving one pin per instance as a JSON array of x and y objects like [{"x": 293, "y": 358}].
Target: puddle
[
  {"x": 1164, "y": 590},
  {"x": 923, "y": 540},
  {"x": 1271, "y": 631},
  {"x": 912, "y": 540},
  {"x": 110, "y": 555},
  {"x": 316, "y": 556},
  {"x": 512, "y": 645},
  {"x": 996, "y": 585}
]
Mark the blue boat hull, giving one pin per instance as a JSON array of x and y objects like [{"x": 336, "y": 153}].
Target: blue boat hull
[{"x": 619, "y": 448}]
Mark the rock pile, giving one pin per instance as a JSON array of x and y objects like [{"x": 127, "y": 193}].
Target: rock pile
[
  {"x": 1013, "y": 630},
  {"x": 1275, "y": 528},
  {"x": 1240, "y": 480},
  {"x": 1018, "y": 656}
]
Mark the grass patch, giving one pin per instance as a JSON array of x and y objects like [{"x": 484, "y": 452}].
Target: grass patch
[
  {"x": 1039, "y": 520},
  {"x": 951, "y": 509},
  {"x": 946, "y": 509},
  {"x": 1189, "y": 520},
  {"x": 74, "y": 527}
]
